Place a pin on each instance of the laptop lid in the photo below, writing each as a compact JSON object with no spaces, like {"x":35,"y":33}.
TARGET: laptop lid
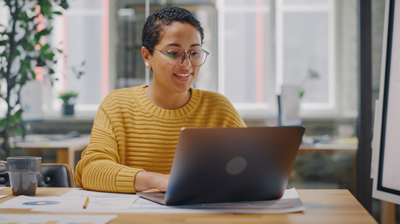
{"x":213,"y":165}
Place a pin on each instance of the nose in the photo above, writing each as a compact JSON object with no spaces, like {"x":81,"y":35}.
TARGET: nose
{"x":186,"y":62}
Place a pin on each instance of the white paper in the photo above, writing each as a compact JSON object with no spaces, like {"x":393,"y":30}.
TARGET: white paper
{"x":67,"y":203}
{"x":59,"y":219}
{"x":1,"y":188}
{"x":3,"y":196}
{"x":290,"y":202}
{"x":85,"y":193}
{"x":98,"y":201}
{"x":290,"y":193}
{"x":94,"y":205}
{"x":25,"y":202}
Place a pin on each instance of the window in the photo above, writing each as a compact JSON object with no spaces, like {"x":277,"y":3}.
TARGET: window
{"x":305,"y":44}
{"x":255,"y":46}
{"x":266,"y":44}
{"x":128,"y":22}
{"x":245,"y":74}
{"x":83,"y":33}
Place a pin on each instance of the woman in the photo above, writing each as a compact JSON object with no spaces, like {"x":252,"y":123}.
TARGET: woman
{"x":135,"y":131}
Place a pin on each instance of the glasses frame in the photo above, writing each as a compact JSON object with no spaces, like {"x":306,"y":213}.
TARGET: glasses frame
{"x":184,"y":56}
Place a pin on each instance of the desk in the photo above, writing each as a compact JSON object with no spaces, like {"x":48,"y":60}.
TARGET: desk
{"x":65,"y":148}
{"x":322,"y":206}
{"x":388,"y":212}
{"x":329,"y":148}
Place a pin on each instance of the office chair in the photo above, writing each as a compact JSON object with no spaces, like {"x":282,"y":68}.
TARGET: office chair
{"x":52,"y":175}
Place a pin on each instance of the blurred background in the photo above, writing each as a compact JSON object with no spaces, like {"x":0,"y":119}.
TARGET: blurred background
{"x":256,"y":48}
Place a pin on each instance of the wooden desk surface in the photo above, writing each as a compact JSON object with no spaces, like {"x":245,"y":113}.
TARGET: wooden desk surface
{"x":65,"y":148}
{"x":329,"y":148}
{"x":46,"y":141}
{"x":322,"y":206}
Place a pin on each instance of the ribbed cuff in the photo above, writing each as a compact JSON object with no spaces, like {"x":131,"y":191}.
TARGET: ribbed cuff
{"x":125,"y":181}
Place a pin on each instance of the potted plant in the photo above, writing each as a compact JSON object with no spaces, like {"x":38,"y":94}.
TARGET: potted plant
{"x":23,"y":47}
{"x":68,"y":106}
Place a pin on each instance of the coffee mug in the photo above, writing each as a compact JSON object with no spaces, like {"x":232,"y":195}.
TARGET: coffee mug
{"x":23,"y":174}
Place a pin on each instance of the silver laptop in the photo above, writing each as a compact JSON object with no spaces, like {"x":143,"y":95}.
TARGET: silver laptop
{"x":214,"y":165}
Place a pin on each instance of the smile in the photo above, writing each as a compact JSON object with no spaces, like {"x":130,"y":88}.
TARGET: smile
{"x":182,"y":75}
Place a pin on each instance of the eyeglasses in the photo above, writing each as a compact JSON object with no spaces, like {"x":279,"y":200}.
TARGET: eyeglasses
{"x":176,"y":57}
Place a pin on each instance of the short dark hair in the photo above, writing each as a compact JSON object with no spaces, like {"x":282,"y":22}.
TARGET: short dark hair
{"x":163,"y":17}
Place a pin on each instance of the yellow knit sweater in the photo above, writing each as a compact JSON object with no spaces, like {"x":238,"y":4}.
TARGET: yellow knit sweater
{"x":131,"y":134}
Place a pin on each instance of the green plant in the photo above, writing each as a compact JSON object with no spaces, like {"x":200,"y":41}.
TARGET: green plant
{"x":311,"y":75}
{"x":67,"y":96}
{"x":22,"y":48}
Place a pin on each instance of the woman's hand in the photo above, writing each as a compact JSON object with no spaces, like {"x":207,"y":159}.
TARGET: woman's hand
{"x":161,"y":182}
{"x":149,"y":180}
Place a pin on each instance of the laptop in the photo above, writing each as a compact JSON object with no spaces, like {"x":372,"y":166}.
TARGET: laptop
{"x":215,"y":165}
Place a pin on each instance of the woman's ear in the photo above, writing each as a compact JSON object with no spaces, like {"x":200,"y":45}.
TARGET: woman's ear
{"x":146,"y":57}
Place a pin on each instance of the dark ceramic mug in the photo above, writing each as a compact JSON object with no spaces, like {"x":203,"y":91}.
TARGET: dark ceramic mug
{"x":23,"y":173}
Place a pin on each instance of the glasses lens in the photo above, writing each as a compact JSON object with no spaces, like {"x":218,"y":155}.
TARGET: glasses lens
{"x":174,"y":57}
{"x":197,"y":58}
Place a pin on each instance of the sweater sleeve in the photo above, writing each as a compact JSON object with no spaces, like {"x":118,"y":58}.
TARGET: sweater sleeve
{"x":236,"y":121}
{"x":100,"y":167}
{"x":225,"y":108}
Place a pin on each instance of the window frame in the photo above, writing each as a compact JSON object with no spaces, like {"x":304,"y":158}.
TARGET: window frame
{"x":307,"y":108}
{"x":246,"y":110}
{"x":277,"y":10}
{"x":52,"y":105}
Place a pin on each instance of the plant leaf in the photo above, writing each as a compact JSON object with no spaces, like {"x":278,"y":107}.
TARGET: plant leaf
{"x":19,"y":131}
{"x":64,"y":4}
{"x":18,"y":115}
{"x":45,"y":48}
{"x":33,"y":75}
{"x":3,"y":123}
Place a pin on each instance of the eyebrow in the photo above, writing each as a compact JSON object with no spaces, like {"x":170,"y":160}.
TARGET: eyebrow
{"x":178,"y":45}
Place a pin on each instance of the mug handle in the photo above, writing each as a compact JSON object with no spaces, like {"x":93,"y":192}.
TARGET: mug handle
{"x":5,"y":163}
